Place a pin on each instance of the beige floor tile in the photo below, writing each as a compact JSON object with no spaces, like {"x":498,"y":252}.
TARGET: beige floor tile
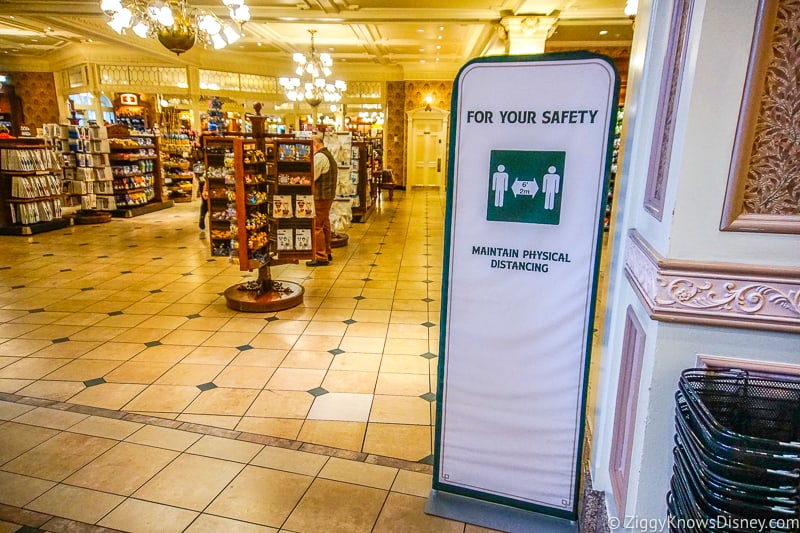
{"x":409,"y":442}
{"x":163,"y":398}
{"x":244,"y":377}
{"x":245,"y":325}
{"x":319,"y":343}
{"x":83,"y":370}
{"x":110,"y":428}
{"x":229,"y":338}
{"x":261,"y":495}
{"x":214,"y":421}
{"x":211,"y":355}
{"x":190,"y":481}
{"x":19,"y":438}
{"x":294,"y":461}
{"x":50,"y":331}
{"x":139,"y":516}
{"x":18,"y":491}
{"x":400,"y":410}
{"x":336,"y":507}
{"x":341,"y":406}
{"x":367,"y":329}
{"x":362,"y":344}
{"x":222,"y":401}
{"x":150,"y":308}
{"x":403,"y":513}
{"x":77,"y":503}
{"x":161,"y":437}
{"x":142,"y":335}
{"x":413,"y":483}
{"x":22,"y":347}
{"x":67,"y":350}
{"x":108,"y":395}
{"x":350,"y":381}
{"x":378,"y":316}
{"x":115,"y":351}
{"x":189,"y":374}
{"x":344,"y":435}
{"x":296,"y":379}
{"x":260,"y":357}
{"x":228,"y":449}
{"x":276,"y":341}
{"x":122,"y":469}
{"x":307,"y":359}
{"x":358,"y":473}
{"x":281,"y":404}
{"x":334,"y":314}
{"x":284,"y":428}
{"x":402,"y":384}
{"x":206,"y":523}
{"x":409,"y":331}
{"x":7,"y":360}
{"x":163,"y":353}
{"x":357,"y":362}
{"x":285,"y":327}
{"x":187,"y":337}
{"x":50,"y":418}
{"x":11,"y":410}
{"x":137,"y":372}
{"x":396,"y":346}
{"x":59,"y":456}
{"x":52,"y":390}
{"x":98,"y":333}
{"x":405,"y":364}
{"x":32,"y":368}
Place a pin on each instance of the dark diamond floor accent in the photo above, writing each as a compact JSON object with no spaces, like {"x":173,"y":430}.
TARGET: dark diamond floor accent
{"x":271,"y":318}
{"x":18,"y":287}
{"x":428,"y":397}
{"x":427,"y":280}
{"x":5,"y":268}
{"x":206,"y":386}
{"x":133,"y":246}
{"x":181,"y":247}
{"x":155,"y":291}
{"x":60,"y":340}
{"x":85,"y":289}
{"x":359,"y":297}
{"x":428,"y":324}
{"x":426,"y":460}
{"x":192,"y":316}
{"x":366,"y":279}
{"x":65,"y":270}
{"x":373,"y":264}
{"x":319,"y":391}
{"x":48,"y":255}
{"x":244,"y":347}
{"x":155,"y":258}
{"x":427,"y":300}
{"x":37,"y":310}
{"x":350,"y":321}
{"x":336,"y":351}
{"x":152,"y":343}
{"x":186,"y":274}
{"x":427,"y":355}
{"x":114,"y":313}
{"x":93,"y":382}
{"x":126,"y":272}
{"x":102,"y":256}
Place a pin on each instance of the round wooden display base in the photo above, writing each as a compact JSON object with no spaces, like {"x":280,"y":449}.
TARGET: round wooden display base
{"x":100,"y":217}
{"x":339,"y":239}
{"x":273,"y":300}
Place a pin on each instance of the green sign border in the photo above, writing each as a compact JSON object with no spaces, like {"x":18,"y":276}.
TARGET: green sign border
{"x":480,"y":495}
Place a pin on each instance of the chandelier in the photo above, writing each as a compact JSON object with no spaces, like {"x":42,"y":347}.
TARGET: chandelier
{"x":312,"y":85}
{"x":176,"y":25}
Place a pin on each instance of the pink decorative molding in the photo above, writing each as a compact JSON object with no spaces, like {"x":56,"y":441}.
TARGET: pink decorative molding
{"x":714,"y":294}
{"x":664,"y":129}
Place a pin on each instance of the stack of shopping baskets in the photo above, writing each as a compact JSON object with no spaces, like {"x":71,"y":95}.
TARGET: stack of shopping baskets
{"x":737,"y":453}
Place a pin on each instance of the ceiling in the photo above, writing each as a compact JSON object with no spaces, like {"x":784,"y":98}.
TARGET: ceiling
{"x":401,"y":38}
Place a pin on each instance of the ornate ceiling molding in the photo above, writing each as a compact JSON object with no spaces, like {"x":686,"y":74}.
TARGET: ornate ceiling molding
{"x":713,"y":294}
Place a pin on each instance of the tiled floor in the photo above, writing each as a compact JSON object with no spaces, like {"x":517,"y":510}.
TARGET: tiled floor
{"x":132,"y":398}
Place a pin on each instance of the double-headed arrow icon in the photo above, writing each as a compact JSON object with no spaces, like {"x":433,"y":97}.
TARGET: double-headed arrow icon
{"x":524,"y":188}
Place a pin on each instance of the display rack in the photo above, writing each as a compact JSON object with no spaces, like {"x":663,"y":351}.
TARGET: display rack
{"x":88,"y":180}
{"x":361,"y":172}
{"x":136,"y":168}
{"x":293,"y":201}
{"x":242,"y":182}
{"x":31,"y":188}
{"x":176,"y":162}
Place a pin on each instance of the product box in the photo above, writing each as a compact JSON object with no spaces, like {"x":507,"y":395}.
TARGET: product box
{"x":88,"y":201}
{"x":284,"y":236}
{"x":282,"y":206}
{"x":304,"y":206}
{"x":106,"y":202}
{"x":103,"y":187}
{"x":302,"y":239}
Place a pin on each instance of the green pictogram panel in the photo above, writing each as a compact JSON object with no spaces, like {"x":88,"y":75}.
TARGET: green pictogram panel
{"x":525,"y":186}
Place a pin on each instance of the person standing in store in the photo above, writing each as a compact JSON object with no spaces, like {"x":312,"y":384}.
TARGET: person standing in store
{"x":326,"y":175}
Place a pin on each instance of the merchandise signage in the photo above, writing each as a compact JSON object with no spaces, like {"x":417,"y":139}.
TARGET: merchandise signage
{"x":530,"y":153}
{"x":128,"y":99}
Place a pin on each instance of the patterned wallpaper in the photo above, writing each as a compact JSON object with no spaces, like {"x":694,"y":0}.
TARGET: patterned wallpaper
{"x":37,"y":91}
{"x":394,"y":130}
{"x":773,"y":180}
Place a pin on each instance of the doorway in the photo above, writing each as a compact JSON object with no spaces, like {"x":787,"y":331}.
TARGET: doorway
{"x":427,"y":148}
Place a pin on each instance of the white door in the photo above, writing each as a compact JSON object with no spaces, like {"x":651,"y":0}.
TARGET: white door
{"x":427,"y":149}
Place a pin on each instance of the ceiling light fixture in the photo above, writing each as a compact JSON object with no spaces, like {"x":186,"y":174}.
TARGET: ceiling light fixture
{"x":312,"y":85}
{"x":175,"y":24}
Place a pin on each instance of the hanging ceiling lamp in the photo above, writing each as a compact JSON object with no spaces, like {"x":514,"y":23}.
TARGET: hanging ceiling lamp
{"x":176,"y":25}
{"x":312,"y":84}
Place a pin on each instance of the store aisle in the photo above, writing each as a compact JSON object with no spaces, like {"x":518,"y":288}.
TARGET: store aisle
{"x":124,"y":324}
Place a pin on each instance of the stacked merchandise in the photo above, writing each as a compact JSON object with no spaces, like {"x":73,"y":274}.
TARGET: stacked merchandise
{"x":133,"y":166}
{"x":737,"y":455}
{"x":179,"y":178}
{"x":87,"y":175}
